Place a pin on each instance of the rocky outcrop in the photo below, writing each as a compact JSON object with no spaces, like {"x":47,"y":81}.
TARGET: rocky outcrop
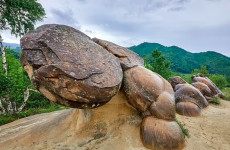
{"x":190,"y":99}
{"x":152,"y":96}
{"x":69,"y":68}
{"x":214,"y":90}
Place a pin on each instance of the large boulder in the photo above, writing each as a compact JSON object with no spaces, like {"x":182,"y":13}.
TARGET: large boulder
{"x":189,"y":100}
{"x":69,"y":68}
{"x":147,"y":90}
{"x":186,"y":92}
{"x":158,"y":134}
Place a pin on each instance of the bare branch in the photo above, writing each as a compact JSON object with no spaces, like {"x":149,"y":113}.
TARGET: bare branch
{"x":3,"y":111}
{"x":26,"y":97}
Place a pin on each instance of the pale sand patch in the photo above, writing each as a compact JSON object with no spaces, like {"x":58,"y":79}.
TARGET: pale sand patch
{"x":210,"y":131}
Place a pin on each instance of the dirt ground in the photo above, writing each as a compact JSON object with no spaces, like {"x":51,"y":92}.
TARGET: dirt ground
{"x":61,"y":130}
{"x":210,"y":131}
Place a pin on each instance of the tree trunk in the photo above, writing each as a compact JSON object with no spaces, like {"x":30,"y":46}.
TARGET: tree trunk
{"x":10,"y":108}
{"x":3,"y":58}
{"x":2,"y":109}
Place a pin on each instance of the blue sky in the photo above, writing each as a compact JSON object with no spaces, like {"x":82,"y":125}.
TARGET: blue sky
{"x":195,"y":25}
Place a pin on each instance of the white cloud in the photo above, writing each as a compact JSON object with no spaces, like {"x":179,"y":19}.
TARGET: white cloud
{"x":193,"y":25}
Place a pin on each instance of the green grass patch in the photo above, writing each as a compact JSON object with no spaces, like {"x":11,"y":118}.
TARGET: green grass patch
{"x":4,"y":119}
{"x":215,"y":101}
{"x":185,"y":131}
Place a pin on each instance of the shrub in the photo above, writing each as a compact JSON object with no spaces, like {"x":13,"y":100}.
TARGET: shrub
{"x":219,"y":80}
{"x":4,"y":119}
{"x":203,"y":70}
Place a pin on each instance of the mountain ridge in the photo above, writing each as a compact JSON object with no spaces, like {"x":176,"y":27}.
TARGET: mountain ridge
{"x":184,"y":61}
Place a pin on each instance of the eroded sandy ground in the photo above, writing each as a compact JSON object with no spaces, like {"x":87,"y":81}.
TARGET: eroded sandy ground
{"x":58,"y":130}
{"x":210,"y":131}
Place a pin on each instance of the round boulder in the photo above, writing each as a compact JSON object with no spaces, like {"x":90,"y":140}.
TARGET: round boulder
{"x":69,"y":68}
{"x":158,"y":134}
{"x":188,"y":93}
{"x":145,"y":88}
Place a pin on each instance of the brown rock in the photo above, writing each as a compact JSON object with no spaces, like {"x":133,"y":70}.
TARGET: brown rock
{"x":176,"y":80}
{"x":158,"y":134}
{"x":188,"y":109}
{"x":163,"y":108}
{"x":143,"y":87}
{"x":127,"y":57}
{"x":69,"y":68}
{"x":215,"y":91}
{"x":204,"y":89}
{"x":188,"y":93}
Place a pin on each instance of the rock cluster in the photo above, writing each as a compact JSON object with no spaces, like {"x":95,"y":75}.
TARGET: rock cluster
{"x":152,"y":96}
{"x":191,"y":98}
{"x":73,"y":70}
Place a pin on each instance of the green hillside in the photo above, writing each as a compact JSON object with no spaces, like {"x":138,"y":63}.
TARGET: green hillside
{"x":184,"y":61}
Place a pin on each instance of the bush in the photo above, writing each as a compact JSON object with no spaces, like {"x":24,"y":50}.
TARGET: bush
{"x":220,"y":80}
{"x":4,"y":119}
{"x":203,"y":70}
{"x":226,"y":92}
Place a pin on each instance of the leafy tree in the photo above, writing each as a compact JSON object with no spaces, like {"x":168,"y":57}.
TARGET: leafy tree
{"x":159,"y":64}
{"x":18,"y":16}
{"x":203,"y":70}
{"x":18,"y":86}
